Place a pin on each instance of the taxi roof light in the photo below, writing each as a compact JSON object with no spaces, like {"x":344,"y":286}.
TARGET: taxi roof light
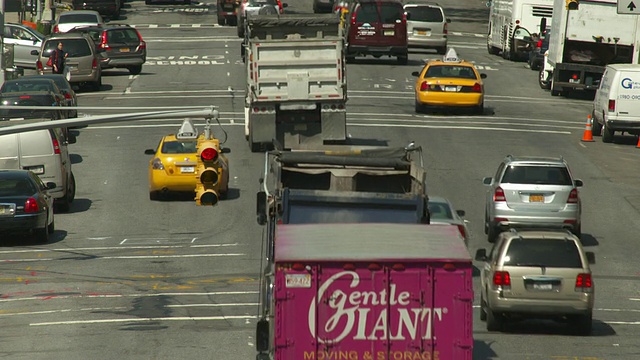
{"x":187,"y":131}
{"x":451,"y":56}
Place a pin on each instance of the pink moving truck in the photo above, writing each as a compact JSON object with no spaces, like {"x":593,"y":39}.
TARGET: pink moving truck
{"x":367,"y":292}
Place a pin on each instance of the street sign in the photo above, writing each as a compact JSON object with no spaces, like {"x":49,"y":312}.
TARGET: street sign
{"x":628,"y":7}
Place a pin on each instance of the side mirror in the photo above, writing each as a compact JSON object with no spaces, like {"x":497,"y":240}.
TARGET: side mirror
{"x":448,"y":21}
{"x":461,"y":213}
{"x":481,"y":255}
{"x":578,"y":183}
{"x":591,"y":257}
{"x":35,"y":52}
{"x":262,"y":336}
{"x":150,"y":152}
{"x":543,"y":25}
{"x":50,"y":185}
{"x":487,"y":181}
{"x":483,"y":76}
{"x":415,"y":73}
{"x":261,"y":207}
{"x":284,"y":5}
{"x":225,"y":150}
{"x":71,"y":139}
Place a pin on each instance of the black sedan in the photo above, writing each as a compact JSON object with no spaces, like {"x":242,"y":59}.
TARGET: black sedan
{"x":70,"y":98}
{"x":32,"y":92}
{"x":25,"y":205}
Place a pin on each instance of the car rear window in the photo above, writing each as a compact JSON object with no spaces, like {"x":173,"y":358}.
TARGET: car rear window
{"x":122,"y":36}
{"x":16,"y":187}
{"x":543,"y":252}
{"x":439,"y":211}
{"x":540,"y":175}
{"x":73,"y":47}
{"x":25,"y":86}
{"x":77,"y":18}
{"x":367,"y":13}
{"x":179,"y":147}
{"x":36,"y":143}
{"x":424,"y":13}
{"x":460,"y":72}
{"x":390,"y":12}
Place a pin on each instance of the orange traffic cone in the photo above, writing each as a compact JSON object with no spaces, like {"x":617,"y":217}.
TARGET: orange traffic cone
{"x":638,"y":144}
{"x":588,"y":134}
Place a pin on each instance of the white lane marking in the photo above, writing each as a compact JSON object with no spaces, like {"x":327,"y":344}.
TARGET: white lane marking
{"x":62,"y":311}
{"x":463,"y":128}
{"x":621,"y":322}
{"x":211,"y":305}
{"x":124,"y":257}
{"x":116,"y":296}
{"x":115,"y":248}
{"x":123,"y":241}
{"x":193,"y":240}
{"x":153,"y":26}
{"x":195,"y":25}
{"x":174,"y":25}
{"x":107,"y":321}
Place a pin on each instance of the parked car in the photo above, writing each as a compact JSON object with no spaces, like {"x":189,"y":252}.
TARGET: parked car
{"x":24,"y":39}
{"x":82,"y":65}
{"x":377,"y":28}
{"x":529,"y":192}
{"x":30,"y":91}
{"x":442,"y":212}
{"x":70,"y":98}
{"x":427,"y":27}
{"x":76,"y":18}
{"x":255,"y":7}
{"x":537,"y":274}
{"x":46,"y":153}
{"x":107,"y":8}
{"x":25,"y":205}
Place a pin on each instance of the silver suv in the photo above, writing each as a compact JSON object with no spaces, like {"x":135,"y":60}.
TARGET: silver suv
{"x":537,"y":274}
{"x":427,"y":27}
{"x":532,"y":192}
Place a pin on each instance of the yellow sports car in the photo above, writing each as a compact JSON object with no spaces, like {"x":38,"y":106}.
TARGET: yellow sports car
{"x":173,"y":167}
{"x":450,"y":82}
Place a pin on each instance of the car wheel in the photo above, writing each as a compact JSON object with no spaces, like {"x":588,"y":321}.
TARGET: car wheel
{"x":419,"y":107}
{"x":51,"y":228}
{"x":42,"y":235}
{"x":596,"y":127}
{"x":147,"y":2}
{"x":232,"y":21}
{"x":96,"y":85}
{"x":607,"y":134}
{"x":542,"y":80}
{"x":577,"y":231}
{"x":483,"y":308}
{"x":187,"y":2}
{"x":480,"y":109}
{"x":240,"y":28}
{"x":495,"y":322}
{"x":492,"y":50}
{"x":403,"y":59}
{"x":64,"y":203}
{"x":350,"y":59}
{"x":135,"y":70}
{"x":221,"y":21}
{"x":582,"y":324}
{"x":492,"y":233}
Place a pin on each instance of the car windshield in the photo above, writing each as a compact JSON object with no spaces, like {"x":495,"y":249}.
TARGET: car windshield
{"x":440,"y":211}
{"x":448,"y":71}
{"x":16,"y":187}
{"x":540,"y":175}
{"x":543,"y":252}
{"x":179,"y":147}
{"x":424,"y":13}
{"x":73,"y":47}
{"x":77,"y":18}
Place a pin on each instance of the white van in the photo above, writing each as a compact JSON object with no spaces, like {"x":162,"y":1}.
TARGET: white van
{"x":616,"y":106}
{"x":45,"y":153}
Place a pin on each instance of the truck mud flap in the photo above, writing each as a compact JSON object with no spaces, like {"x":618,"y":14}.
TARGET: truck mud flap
{"x":334,"y":126}
{"x":262,"y":127}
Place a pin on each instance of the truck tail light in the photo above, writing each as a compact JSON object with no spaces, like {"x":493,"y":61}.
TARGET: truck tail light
{"x":502,"y":278}
{"x":462,"y":230}
{"x":298,"y":267}
{"x":584,"y":283}
{"x":349,"y":266}
{"x":31,"y":206}
{"x":449,"y":266}
{"x":424,"y":86}
{"x":612,"y":105}
{"x":374,"y":267}
{"x":573,"y":197}
{"x":498,"y":195}
{"x":398,"y":267}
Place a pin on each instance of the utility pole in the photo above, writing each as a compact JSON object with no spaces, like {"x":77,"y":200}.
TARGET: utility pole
{"x":2,"y":67}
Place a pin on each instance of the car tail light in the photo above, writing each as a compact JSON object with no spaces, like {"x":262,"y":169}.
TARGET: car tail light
{"x":445,"y":30}
{"x":67,"y":95}
{"x":404,"y":17}
{"x":574,"y":76}
{"x":39,"y":65}
{"x":353,"y":19}
{"x":103,"y":42}
{"x":156,"y":164}
{"x":31,"y":206}
{"x":502,"y":278}
{"x":476,"y":88}
{"x":56,"y":29}
{"x":612,"y":105}
{"x":573,"y":197}
{"x":498,"y":195}
{"x":539,"y":44}
{"x":424,"y":86}
{"x":584,"y":283}
{"x":462,"y":231}
{"x":56,"y":146}
{"x":25,"y":96}
{"x":94,"y":64}
{"x":143,"y":45}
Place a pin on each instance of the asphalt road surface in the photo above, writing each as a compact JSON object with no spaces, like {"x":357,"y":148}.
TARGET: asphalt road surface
{"x":129,"y":278}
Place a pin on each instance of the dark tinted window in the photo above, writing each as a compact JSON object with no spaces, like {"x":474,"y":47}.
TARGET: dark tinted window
{"x":26,"y":86}
{"x":179,"y":147}
{"x":74,"y":47}
{"x":122,"y":36}
{"x":367,"y":13}
{"x":541,"y":175}
{"x":307,"y":213}
{"x":389,"y":13}
{"x":460,"y":72}
{"x":543,"y":252}
{"x":440,"y":211}
{"x":78,"y":18}
{"x":16,"y":187}
{"x":424,"y":13}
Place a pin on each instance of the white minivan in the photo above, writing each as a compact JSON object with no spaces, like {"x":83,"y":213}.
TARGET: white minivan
{"x":616,"y":106}
{"x":45,"y":153}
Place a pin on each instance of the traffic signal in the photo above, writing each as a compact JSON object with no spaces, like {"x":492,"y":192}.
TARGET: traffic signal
{"x":208,"y":172}
{"x":572,"y":4}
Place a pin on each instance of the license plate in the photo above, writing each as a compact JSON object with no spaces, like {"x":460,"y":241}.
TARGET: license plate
{"x":536,"y":198}
{"x":7,"y":210}
{"x":451,"y":88}
{"x":187,"y":169}
{"x":298,"y":281}
{"x":543,"y":287}
{"x":124,"y":49}
{"x":389,"y":32}
{"x":574,"y":81}
{"x":39,"y":170}
{"x":425,"y":33}
{"x":300,"y":127}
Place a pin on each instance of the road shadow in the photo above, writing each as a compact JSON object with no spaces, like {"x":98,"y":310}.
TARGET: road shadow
{"x":365,"y":142}
{"x":482,"y":350}
{"x":79,"y":205}
{"x":232,"y":194}
{"x":379,"y":61}
{"x":27,"y":239}
{"x":588,"y":240}
{"x":475,"y":272}
{"x":624,"y":139}
{"x":550,"y":327}
{"x":75,"y":158}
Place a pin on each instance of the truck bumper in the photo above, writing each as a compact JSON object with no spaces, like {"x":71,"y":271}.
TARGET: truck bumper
{"x":576,"y":77}
{"x":355,"y":50}
{"x":622,"y":125}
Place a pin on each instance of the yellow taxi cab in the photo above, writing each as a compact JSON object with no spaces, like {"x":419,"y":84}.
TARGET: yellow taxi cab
{"x":173,"y":167}
{"x":450,"y":82}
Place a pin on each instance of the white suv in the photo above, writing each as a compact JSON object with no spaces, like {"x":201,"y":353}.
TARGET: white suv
{"x":427,"y":27}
